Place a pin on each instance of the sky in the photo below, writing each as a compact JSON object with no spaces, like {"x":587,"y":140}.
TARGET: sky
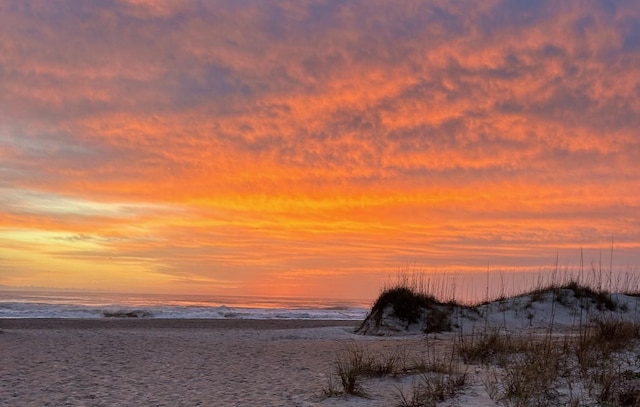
{"x":314,"y":148}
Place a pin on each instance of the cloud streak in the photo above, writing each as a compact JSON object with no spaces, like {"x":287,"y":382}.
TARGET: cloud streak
{"x":263,"y":140}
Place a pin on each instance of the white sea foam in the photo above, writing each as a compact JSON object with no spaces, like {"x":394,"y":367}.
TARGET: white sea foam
{"x":45,"y":304}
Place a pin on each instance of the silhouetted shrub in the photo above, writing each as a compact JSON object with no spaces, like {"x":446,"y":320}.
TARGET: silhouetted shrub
{"x":407,"y":304}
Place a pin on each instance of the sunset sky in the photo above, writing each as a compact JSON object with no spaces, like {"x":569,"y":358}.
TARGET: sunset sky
{"x":313,"y":148}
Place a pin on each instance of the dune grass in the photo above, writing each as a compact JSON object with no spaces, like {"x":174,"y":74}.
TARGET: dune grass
{"x":594,"y":368}
{"x":594,"y":363}
{"x":599,"y":366}
{"x":355,"y":363}
{"x":435,"y":377}
{"x":411,"y":307}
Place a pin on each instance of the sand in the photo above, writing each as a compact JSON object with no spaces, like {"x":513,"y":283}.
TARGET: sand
{"x":49,"y":362}
{"x":165,"y":362}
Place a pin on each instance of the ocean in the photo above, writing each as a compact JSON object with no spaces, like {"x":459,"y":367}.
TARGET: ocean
{"x":78,"y":304}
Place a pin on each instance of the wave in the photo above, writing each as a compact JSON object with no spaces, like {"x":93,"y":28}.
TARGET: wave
{"x":80,"y":305}
{"x":128,"y":314}
{"x":48,"y":310}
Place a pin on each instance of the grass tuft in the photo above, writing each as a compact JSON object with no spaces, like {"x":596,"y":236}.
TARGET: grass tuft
{"x":410,"y":307}
{"x":432,"y":388}
{"x":488,"y":347}
{"x":407,"y":304}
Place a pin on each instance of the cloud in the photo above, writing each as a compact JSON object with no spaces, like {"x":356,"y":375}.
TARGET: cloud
{"x":513,"y":124}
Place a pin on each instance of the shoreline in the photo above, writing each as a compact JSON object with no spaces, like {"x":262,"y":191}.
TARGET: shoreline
{"x":168,"y":323}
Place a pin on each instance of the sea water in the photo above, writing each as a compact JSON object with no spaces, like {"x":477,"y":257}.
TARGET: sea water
{"x":30,"y":303}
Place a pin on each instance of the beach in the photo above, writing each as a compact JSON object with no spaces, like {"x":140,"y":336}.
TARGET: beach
{"x":560,"y":346}
{"x":155,"y":362}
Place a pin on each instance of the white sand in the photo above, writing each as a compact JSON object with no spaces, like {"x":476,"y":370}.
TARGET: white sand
{"x":180,"y":363}
{"x":156,"y":362}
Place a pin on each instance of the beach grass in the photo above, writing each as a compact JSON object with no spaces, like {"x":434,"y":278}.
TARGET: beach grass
{"x":595,"y":361}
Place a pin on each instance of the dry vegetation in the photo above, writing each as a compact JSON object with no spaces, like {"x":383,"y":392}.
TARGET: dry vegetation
{"x":594,"y":363}
{"x":596,"y":366}
{"x":436,"y":377}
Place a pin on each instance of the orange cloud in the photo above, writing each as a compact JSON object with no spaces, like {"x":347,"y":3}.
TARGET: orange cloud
{"x":236,"y":147}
